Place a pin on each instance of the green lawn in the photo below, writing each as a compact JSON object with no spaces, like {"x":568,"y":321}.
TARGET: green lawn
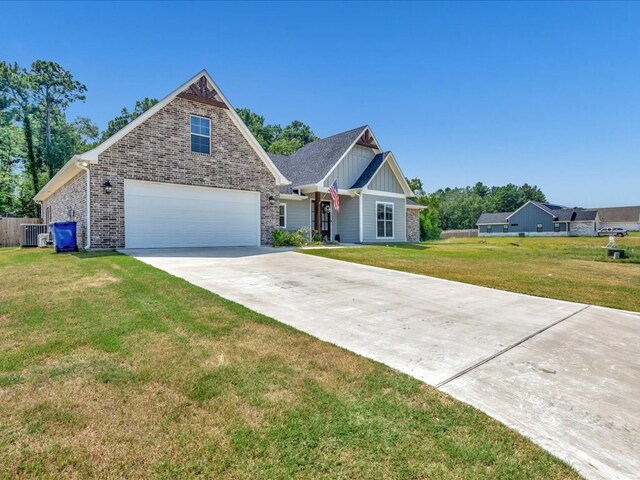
{"x":110,"y":368}
{"x":567,"y":268}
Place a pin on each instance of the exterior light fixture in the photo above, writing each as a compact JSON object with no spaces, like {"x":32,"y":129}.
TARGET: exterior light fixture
{"x":107,"y":186}
{"x":84,"y":163}
{"x":272,"y":201}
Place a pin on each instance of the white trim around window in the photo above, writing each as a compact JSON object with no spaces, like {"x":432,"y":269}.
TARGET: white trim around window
{"x":199,"y":134}
{"x":282,"y":215}
{"x":386,"y":221}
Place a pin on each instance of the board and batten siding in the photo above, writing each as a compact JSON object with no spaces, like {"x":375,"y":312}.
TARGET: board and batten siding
{"x":369,"y":218}
{"x":385,"y":180}
{"x":498,"y":228}
{"x":351,"y":167}
{"x":527,"y":219}
{"x":348,"y":226}
{"x":298,"y":214}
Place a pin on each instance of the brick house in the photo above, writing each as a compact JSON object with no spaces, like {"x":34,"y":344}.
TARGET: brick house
{"x":189,"y":173}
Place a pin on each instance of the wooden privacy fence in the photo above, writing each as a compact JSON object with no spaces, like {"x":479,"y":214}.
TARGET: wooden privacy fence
{"x":10,"y":230}
{"x":473,"y":232}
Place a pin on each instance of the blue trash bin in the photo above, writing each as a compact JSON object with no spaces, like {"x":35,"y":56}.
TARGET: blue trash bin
{"x":64,"y":236}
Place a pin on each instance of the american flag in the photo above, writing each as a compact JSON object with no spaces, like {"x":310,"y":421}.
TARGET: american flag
{"x":333,"y":190}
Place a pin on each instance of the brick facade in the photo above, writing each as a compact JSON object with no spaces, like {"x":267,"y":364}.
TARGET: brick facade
{"x":159,"y":150}
{"x":413,"y":225}
{"x":69,"y":203}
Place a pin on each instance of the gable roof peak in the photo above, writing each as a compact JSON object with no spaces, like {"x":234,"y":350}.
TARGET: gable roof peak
{"x":204,"y":87}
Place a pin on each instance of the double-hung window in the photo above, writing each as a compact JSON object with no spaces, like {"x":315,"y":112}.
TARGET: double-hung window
{"x":489,"y":228}
{"x":384,"y":220}
{"x":505,"y":229}
{"x":200,"y":135}
{"x":539,"y":227}
{"x":283,"y":215}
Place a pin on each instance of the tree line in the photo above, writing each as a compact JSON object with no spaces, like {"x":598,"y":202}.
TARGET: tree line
{"x":459,"y":207}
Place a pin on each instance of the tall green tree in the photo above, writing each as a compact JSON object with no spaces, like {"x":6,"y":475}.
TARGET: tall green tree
{"x":11,"y":151}
{"x":35,"y":101}
{"x":32,"y":161}
{"x":127,"y":117}
{"x":54,"y":89}
{"x":274,"y":138}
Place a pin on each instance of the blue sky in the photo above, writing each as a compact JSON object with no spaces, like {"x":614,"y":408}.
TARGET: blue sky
{"x":545,"y":93}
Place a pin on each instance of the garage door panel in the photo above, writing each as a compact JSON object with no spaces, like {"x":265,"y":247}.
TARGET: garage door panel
{"x":169,"y":215}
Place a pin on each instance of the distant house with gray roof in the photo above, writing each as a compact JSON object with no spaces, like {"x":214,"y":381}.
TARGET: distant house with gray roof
{"x":546,"y":219}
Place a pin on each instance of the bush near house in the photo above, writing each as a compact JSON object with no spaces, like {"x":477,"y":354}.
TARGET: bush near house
{"x":286,"y":238}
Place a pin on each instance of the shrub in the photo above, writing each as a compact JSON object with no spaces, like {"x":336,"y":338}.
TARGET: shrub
{"x":283,"y":238}
{"x":279,"y":237}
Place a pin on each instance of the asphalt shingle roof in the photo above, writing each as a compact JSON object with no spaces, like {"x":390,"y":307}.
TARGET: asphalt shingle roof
{"x":619,"y":214}
{"x":312,"y":163}
{"x":559,"y":214}
{"x":581,"y":215}
{"x":370,"y":171}
{"x":493,"y":218}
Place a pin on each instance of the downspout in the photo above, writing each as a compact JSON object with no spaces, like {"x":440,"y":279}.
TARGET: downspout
{"x":360,"y":227}
{"x":87,"y":227}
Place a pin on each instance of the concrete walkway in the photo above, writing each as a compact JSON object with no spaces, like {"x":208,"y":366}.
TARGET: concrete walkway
{"x":566,"y":375}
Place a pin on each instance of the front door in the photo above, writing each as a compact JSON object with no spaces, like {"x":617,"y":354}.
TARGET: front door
{"x":325,"y":219}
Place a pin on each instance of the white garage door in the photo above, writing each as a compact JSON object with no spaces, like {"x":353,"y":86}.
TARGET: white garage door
{"x":160,"y":215}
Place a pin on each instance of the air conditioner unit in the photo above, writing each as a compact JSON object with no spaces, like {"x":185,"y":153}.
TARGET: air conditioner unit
{"x":29,"y":233}
{"x":44,"y":240}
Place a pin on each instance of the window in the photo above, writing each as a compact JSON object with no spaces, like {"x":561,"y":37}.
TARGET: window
{"x":47,"y":215}
{"x":384,"y":217}
{"x":505,"y":228}
{"x":283,"y":215}
{"x":200,"y":135}
{"x":514,"y":224}
{"x":539,"y":227}
{"x":556,"y":227}
{"x":489,"y":228}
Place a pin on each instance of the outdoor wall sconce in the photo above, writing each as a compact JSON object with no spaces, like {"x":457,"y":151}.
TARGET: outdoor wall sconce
{"x":107,"y":186}
{"x":272,"y":201}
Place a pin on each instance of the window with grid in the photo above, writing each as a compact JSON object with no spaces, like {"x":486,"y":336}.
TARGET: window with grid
{"x":505,"y":229}
{"x":200,"y":135}
{"x":539,"y":227}
{"x":384,"y":217}
{"x":283,"y":216}
{"x":489,"y":229}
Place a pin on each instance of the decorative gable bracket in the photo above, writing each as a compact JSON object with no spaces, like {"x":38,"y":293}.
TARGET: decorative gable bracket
{"x":201,"y":92}
{"x":367,"y":140}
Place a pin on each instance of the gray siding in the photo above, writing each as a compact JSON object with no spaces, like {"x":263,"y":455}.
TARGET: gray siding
{"x":498,"y":228}
{"x":351,"y":167}
{"x":369,"y":218}
{"x":347,"y":222}
{"x":298,"y":213}
{"x":527,"y":219}
{"x":385,"y":180}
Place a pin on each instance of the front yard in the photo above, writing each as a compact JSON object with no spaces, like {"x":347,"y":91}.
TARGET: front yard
{"x":110,"y":368}
{"x":566,"y":268}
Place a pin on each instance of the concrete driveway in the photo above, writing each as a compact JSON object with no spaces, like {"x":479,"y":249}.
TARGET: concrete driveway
{"x":566,"y":375}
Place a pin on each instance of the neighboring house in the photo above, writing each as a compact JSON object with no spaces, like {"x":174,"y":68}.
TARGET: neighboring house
{"x":189,"y":173}
{"x":539,"y":219}
{"x":621,"y":217}
{"x":545,"y":219}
